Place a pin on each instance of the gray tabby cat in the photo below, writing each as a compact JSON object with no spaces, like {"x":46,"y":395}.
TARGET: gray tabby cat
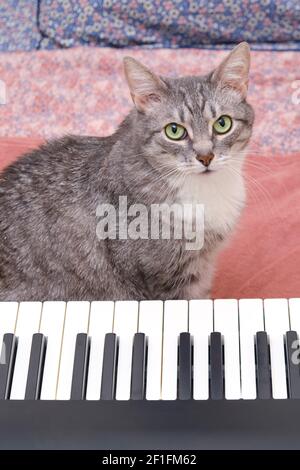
{"x":183,"y":142}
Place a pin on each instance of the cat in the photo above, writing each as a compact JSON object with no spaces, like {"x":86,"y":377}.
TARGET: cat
{"x":183,"y":142}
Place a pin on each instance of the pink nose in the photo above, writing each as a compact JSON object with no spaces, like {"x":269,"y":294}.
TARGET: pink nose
{"x":205,"y":159}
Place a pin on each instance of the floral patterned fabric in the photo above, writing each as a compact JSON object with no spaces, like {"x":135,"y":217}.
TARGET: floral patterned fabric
{"x":18,"y":25}
{"x":50,"y":24}
{"x":171,"y":23}
{"x":83,"y":91}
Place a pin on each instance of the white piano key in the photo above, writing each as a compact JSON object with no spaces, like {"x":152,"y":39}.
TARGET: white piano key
{"x":251,"y":315}
{"x":200,"y":327}
{"x":125,"y":326}
{"x":226,"y":321}
{"x":101,"y":322}
{"x":175,"y":322}
{"x":151,"y":323}
{"x":276,"y":315}
{"x":8,"y":317}
{"x":52,"y":324}
{"x":76,"y":321}
{"x":28,"y":322}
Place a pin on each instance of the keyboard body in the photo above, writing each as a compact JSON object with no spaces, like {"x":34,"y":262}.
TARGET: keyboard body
{"x":177,"y":375}
{"x":170,"y":425}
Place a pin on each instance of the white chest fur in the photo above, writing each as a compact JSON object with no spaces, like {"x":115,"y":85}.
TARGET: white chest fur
{"x":222,"y":195}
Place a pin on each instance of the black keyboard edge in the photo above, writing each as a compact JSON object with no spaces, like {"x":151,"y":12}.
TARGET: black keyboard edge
{"x":210,"y":424}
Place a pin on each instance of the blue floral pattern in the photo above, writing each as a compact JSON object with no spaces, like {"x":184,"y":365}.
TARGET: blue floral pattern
{"x":172,"y":23}
{"x":48,"y":24}
{"x":18,"y":25}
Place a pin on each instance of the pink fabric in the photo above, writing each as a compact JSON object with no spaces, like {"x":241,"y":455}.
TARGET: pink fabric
{"x":83,"y":91}
{"x":262,"y":259}
{"x":11,"y":148}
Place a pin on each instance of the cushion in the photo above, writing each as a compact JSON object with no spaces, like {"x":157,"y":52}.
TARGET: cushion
{"x":83,"y":91}
{"x":18,"y":25}
{"x":160,"y":23}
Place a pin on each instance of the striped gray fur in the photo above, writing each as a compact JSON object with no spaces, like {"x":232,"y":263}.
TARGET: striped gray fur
{"x":48,"y":199}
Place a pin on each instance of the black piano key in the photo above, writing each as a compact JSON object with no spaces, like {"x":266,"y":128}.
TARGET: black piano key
{"x":109,"y":369}
{"x":81,"y":357}
{"x":7,"y":362}
{"x":292,"y":362}
{"x":36,"y":365}
{"x":138,"y":369}
{"x":185,"y":367}
{"x":263,"y":366}
{"x":216,"y":366}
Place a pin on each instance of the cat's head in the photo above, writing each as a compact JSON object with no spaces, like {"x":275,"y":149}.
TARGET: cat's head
{"x":196,"y":124}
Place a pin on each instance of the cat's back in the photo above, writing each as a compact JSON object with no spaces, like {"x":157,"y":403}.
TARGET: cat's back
{"x":52,"y":171}
{"x":59,"y":157}
{"x":52,"y":179}
{"x":44,"y":198}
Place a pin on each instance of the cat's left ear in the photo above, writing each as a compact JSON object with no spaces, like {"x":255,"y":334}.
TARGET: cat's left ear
{"x":234,"y":70}
{"x":146,"y":88}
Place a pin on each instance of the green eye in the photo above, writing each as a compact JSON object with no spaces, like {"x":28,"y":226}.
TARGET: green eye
{"x":223,"y":124}
{"x":175,"y":131}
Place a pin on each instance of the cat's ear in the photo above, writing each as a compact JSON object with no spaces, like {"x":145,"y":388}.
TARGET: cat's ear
{"x":146,"y":88}
{"x":234,"y":70}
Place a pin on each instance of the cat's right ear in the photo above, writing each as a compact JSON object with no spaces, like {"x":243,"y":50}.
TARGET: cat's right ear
{"x":146,"y":88}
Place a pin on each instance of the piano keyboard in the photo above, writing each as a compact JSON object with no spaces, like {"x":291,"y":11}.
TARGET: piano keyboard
{"x":152,"y":350}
